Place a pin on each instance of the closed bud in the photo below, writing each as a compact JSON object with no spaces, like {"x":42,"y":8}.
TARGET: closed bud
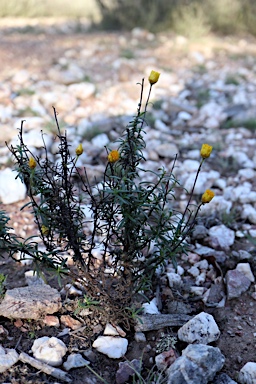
{"x":206,"y":150}
{"x":79,"y":150}
{"x":32,"y":163}
{"x":45,"y":230}
{"x":153,"y":77}
{"x":207,"y":196}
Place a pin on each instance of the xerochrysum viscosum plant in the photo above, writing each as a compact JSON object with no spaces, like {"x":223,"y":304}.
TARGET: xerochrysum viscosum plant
{"x":134,"y":224}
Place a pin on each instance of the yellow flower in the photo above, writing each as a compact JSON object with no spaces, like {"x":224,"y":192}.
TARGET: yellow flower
{"x":45,"y":230}
{"x":206,"y":150}
{"x":153,"y":77}
{"x":32,"y":163}
{"x":113,"y":156}
{"x":207,"y":196}
{"x":79,"y":150}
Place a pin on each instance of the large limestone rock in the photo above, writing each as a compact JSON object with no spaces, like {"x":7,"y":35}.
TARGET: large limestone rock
{"x":201,"y":329}
{"x":31,"y":302}
{"x":198,"y":364}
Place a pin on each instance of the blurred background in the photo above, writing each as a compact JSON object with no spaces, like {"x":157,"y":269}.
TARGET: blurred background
{"x":191,"y":18}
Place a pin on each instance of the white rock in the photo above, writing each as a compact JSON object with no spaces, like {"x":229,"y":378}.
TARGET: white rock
{"x":86,"y":210}
{"x":33,"y":279}
{"x":82,"y":90}
{"x":100,"y":140}
{"x":247,"y":374}
{"x":218,"y":204}
{"x":201,"y":278}
{"x":194,"y":271}
{"x":242,"y":159}
{"x":174,"y":279}
{"x":190,"y":166}
{"x":161,"y":126}
{"x":60,"y":99}
{"x":193,"y":154}
{"x":140,"y":337}
{"x":84,"y":126}
{"x":193,"y":258}
{"x":246,"y":270}
{"x":224,"y":236}
{"x":8,"y":357}
{"x":110,"y":330}
{"x":249,"y":213}
{"x":180,"y":270}
{"x":49,"y":350}
{"x":202,"y":264}
{"x":201,"y":329}
{"x":249,"y":198}
{"x":241,"y":191}
{"x":33,"y":138}
{"x":113,"y":347}
{"x":71,"y":290}
{"x":246,"y":173}
{"x":205,"y":181}
{"x":168,"y":150}
{"x":252,"y":232}
{"x":184,"y":116}
{"x":203,"y":250}
{"x":75,"y":360}
{"x":171,"y":269}
{"x":23,"y":259}
{"x":197,"y":290}
{"x":11,"y":189}
{"x":151,"y":307}
{"x":21,"y":77}
{"x":32,"y":123}
{"x":220,"y":183}
{"x":212,"y":114}
{"x":73,"y":74}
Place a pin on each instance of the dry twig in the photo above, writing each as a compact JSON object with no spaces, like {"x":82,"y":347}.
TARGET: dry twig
{"x":55,"y":372}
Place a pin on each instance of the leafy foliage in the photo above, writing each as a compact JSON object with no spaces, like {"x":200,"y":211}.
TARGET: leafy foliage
{"x":135,"y":226}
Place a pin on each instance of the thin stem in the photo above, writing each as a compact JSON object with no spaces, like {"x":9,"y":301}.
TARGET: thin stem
{"x":192,"y":191}
{"x":146,"y":105}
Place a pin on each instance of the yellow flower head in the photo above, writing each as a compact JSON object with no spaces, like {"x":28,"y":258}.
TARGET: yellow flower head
{"x":32,"y":163}
{"x":207,"y":196}
{"x":206,"y":151}
{"x":113,"y":156}
{"x":79,"y":150}
{"x":153,"y":77}
{"x":45,"y":230}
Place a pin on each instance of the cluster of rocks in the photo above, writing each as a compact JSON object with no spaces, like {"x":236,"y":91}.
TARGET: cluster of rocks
{"x":198,"y":363}
{"x":190,"y":106}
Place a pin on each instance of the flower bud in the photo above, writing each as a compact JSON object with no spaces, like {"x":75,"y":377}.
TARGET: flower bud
{"x":153,"y":77}
{"x":32,"y":163}
{"x":206,"y":150}
{"x":207,"y":196}
{"x":45,"y":230}
{"x":113,"y":156}
{"x":79,"y":150}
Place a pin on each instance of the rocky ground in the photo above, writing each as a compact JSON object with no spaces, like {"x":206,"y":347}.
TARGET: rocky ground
{"x":206,"y":94}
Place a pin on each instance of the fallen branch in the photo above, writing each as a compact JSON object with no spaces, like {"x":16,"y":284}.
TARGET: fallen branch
{"x":55,"y":372}
{"x":152,"y":322}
